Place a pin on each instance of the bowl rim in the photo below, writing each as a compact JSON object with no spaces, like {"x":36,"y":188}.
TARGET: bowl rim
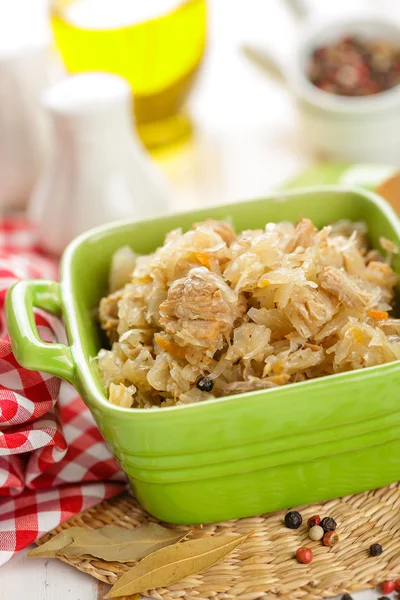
{"x":304,"y":89}
{"x":99,"y":401}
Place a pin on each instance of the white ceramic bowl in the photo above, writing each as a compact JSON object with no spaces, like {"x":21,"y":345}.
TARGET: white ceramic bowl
{"x":346,"y":128}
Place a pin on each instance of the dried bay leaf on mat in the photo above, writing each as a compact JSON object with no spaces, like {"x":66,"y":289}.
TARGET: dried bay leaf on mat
{"x":122,"y":545}
{"x":174,"y":563}
{"x":54,"y":544}
{"x":111,"y":543}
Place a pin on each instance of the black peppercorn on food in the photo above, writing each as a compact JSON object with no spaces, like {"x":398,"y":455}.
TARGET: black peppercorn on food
{"x":205,"y":384}
{"x":293,"y":519}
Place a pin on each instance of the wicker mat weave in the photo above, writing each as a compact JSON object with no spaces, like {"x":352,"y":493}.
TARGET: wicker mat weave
{"x":264,"y":566}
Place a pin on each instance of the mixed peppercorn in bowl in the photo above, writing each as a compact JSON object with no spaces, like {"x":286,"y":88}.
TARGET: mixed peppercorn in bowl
{"x":355,"y":66}
{"x":344,"y":74}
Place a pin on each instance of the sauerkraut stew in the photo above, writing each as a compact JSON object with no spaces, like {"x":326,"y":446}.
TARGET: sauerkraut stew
{"x":213,"y":313}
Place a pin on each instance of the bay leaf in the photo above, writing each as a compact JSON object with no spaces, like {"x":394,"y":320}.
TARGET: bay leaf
{"x":54,"y":544}
{"x":174,"y":563}
{"x":113,"y":543}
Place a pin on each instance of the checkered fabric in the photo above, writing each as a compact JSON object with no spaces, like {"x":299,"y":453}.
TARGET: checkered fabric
{"x":53,"y":461}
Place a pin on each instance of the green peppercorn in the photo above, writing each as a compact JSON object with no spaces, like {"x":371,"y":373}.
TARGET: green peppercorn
{"x":328,"y":524}
{"x":375,"y":550}
{"x":293,"y":519}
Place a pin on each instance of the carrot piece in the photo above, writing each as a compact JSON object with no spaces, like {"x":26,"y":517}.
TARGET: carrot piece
{"x":203,"y":259}
{"x":174,"y":349}
{"x":379,"y":315}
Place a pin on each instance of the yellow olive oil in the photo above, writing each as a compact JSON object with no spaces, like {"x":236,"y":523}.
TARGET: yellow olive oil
{"x":157,"y":45}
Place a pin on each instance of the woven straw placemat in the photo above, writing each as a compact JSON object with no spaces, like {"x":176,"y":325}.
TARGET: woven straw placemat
{"x":264,"y":565}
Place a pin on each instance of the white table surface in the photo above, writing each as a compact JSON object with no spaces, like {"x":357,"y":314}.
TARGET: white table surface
{"x":49,"y":579}
{"x":245,"y":144}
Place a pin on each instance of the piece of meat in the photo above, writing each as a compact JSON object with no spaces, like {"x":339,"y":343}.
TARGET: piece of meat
{"x":200,"y":310}
{"x":339,"y":284}
{"x":223,"y":229}
{"x":303,"y":236}
{"x":108,"y":314}
{"x":309,"y":310}
{"x":250,"y":385}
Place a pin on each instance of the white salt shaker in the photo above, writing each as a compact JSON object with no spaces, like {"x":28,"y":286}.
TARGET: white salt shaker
{"x":98,"y":170}
{"x":23,"y":77}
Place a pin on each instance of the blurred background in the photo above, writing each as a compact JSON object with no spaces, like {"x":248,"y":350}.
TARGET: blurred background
{"x":213,"y":121}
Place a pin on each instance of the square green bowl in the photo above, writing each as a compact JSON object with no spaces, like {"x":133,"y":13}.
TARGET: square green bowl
{"x":240,"y":455}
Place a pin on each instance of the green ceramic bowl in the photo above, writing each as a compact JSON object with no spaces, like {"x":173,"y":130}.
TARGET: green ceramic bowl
{"x":235,"y":456}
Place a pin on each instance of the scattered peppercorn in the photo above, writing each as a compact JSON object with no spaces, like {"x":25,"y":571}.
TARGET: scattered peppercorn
{"x":384,"y":598}
{"x":304,"y":555}
{"x":388,"y":586}
{"x":316,"y":533}
{"x":397,"y":585}
{"x":353,"y":66}
{"x":328,"y":524}
{"x":375,"y":550}
{"x":330,"y":538}
{"x":205,"y":384}
{"x":346,"y":597}
{"x":293,"y":519}
{"x":312,"y":521}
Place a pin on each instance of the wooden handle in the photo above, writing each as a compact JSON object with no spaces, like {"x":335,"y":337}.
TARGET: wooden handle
{"x":390,"y":191}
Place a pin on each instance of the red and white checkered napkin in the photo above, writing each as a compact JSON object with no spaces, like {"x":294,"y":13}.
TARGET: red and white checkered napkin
{"x":53,"y":460}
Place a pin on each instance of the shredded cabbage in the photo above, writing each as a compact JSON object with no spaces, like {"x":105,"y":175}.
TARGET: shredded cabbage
{"x":251,"y":311}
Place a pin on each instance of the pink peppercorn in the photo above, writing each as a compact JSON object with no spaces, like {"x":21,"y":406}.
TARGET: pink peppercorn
{"x":388,"y":586}
{"x":330,"y":538}
{"x":304,"y":555}
{"x":354,"y":66}
{"x":313,"y":521}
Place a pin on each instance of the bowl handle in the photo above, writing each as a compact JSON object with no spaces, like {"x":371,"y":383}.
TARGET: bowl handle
{"x":29,"y":350}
